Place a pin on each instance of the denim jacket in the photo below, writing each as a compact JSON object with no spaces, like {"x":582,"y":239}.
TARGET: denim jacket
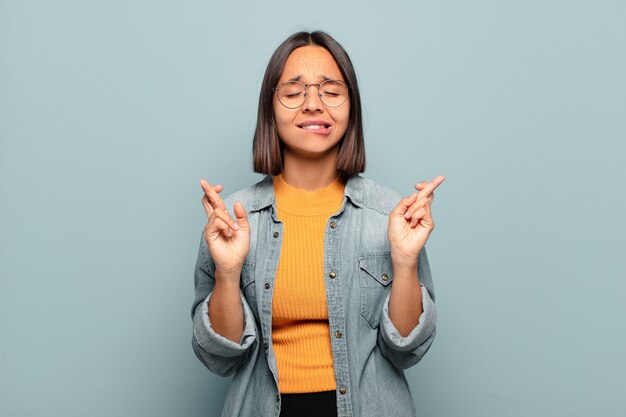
{"x":369,"y":354}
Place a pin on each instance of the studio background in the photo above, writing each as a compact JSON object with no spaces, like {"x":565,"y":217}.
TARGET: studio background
{"x":111,"y":112}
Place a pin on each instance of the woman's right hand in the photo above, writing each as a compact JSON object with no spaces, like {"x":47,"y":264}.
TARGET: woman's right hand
{"x":228,"y":241}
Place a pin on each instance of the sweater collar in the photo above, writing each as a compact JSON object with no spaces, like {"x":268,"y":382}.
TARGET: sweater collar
{"x":296,"y":201}
{"x":264,"y":192}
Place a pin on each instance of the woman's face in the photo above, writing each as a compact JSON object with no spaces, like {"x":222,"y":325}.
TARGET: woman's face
{"x":312,"y":130}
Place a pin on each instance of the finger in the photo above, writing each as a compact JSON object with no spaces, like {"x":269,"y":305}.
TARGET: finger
{"x":419,"y":203}
{"x":204,"y":183}
{"x":240,"y":214}
{"x":207,"y":207}
{"x":225,"y":217}
{"x":214,"y":199}
{"x":420,"y":185}
{"x":428,"y":217}
{"x":428,"y":214}
{"x":223,"y":227}
{"x":217,"y":204}
{"x":430,"y":187}
{"x":404,"y":204}
{"x":419,"y":213}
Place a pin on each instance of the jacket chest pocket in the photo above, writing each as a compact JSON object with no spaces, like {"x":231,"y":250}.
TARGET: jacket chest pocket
{"x":248,"y":287}
{"x":374,"y":279}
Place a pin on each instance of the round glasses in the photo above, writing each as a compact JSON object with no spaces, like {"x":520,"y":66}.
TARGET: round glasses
{"x":292,"y":94}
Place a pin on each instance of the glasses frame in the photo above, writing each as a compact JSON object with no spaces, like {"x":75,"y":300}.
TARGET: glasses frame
{"x":319,"y":92}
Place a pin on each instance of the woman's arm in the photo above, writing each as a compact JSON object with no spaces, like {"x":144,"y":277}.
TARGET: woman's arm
{"x":225,"y":310}
{"x":228,"y":243}
{"x":224,"y":327}
{"x":410,"y":225}
{"x":405,"y":300}
{"x":408,"y":317}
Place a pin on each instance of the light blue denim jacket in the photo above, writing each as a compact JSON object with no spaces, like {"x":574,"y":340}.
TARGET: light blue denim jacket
{"x":369,"y":354}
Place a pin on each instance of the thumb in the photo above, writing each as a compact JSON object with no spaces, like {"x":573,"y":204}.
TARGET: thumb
{"x":241,"y":215}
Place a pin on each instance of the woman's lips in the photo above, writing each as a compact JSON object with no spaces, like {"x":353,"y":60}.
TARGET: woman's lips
{"x":316,"y":127}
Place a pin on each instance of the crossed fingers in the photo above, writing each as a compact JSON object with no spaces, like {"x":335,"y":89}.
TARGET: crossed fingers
{"x":423,"y":199}
{"x":215,"y":209}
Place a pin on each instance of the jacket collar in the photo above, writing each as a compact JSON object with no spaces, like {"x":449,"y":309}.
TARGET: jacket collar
{"x":264,"y":192}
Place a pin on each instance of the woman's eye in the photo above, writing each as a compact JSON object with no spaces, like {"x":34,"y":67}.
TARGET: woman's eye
{"x":292,"y":95}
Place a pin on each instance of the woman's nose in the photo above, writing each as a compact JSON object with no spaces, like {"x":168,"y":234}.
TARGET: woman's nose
{"x":312,"y":100}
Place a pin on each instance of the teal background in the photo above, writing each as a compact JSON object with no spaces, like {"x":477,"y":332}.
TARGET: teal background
{"x":111,"y":112}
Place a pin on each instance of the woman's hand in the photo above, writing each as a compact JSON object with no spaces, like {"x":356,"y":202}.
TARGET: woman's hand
{"x":228,"y":241}
{"x":410,"y":224}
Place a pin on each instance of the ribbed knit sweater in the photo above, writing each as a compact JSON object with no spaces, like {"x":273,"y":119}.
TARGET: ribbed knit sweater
{"x":300,"y":331}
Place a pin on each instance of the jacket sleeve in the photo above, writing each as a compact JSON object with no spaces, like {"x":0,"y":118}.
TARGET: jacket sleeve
{"x":219,"y":354}
{"x":404,"y":352}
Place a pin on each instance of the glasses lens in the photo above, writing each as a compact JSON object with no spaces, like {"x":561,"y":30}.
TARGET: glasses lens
{"x":291,"y":94}
{"x":333,"y":93}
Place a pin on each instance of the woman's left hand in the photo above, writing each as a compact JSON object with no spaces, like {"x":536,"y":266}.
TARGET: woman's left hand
{"x":411,"y":222}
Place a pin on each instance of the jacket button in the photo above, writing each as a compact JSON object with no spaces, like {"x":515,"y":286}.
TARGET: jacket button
{"x":277,"y":398}
{"x":342,"y":390}
{"x":332,"y":274}
{"x":385,"y":277}
{"x":276,"y":234}
{"x":333,"y":225}
{"x":338,"y":334}
{"x":267,"y":285}
{"x":265,"y":345}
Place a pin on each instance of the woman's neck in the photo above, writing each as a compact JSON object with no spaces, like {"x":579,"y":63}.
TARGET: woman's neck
{"x":309,"y":175}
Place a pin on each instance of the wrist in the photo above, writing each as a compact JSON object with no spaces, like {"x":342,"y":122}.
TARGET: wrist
{"x":403,"y":261}
{"x":404,"y":270}
{"x":228,"y":277}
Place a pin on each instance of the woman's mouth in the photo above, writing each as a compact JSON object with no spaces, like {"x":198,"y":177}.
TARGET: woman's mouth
{"x":316,"y":126}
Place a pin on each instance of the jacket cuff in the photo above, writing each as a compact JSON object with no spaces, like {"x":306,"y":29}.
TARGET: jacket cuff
{"x":419,"y":334}
{"x":213,"y":342}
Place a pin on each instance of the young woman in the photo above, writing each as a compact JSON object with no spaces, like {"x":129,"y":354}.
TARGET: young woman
{"x":315,"y":291}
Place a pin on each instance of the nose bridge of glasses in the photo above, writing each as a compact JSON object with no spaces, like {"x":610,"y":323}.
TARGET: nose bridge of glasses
{"x":319,"y":88}
{"x":318,"y":95}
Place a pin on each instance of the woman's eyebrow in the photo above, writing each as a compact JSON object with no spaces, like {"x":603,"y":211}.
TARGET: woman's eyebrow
{"x":322,"y":77}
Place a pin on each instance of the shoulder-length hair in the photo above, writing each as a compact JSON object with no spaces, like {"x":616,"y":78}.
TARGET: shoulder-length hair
{"x":267,"y":155}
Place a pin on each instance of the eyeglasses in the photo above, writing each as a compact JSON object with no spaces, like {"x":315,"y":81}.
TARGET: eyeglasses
{"x":292,"y":94}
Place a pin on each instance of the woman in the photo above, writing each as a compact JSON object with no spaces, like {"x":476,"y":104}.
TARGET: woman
{"x":315,"y":291}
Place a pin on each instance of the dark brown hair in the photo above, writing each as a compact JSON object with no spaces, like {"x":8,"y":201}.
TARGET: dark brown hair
{"x":267,"y":155}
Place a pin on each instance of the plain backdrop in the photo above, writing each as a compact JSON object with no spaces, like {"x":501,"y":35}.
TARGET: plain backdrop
{"x":112,"y":111}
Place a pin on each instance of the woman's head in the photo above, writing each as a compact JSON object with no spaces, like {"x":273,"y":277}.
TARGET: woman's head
{"x":309,"y":58}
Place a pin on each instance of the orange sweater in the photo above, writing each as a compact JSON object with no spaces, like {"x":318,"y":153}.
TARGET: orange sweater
{"x":300,"y":331}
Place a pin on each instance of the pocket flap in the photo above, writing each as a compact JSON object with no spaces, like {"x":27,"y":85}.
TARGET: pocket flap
{"x":378,"y":266}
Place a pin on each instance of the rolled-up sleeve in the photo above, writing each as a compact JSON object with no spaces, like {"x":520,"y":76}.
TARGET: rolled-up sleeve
{"x":219,"y":354}
{"x":420,"y":333}
{"x":406,"y":351}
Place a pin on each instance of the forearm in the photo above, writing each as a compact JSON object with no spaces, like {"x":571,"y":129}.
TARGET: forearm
{"x":405,"y":300}
{"x":225,"y":309}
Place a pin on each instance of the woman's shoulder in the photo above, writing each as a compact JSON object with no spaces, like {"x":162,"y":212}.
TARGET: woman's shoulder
{"x":253,"y":197}
{"x":372,"y":194}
